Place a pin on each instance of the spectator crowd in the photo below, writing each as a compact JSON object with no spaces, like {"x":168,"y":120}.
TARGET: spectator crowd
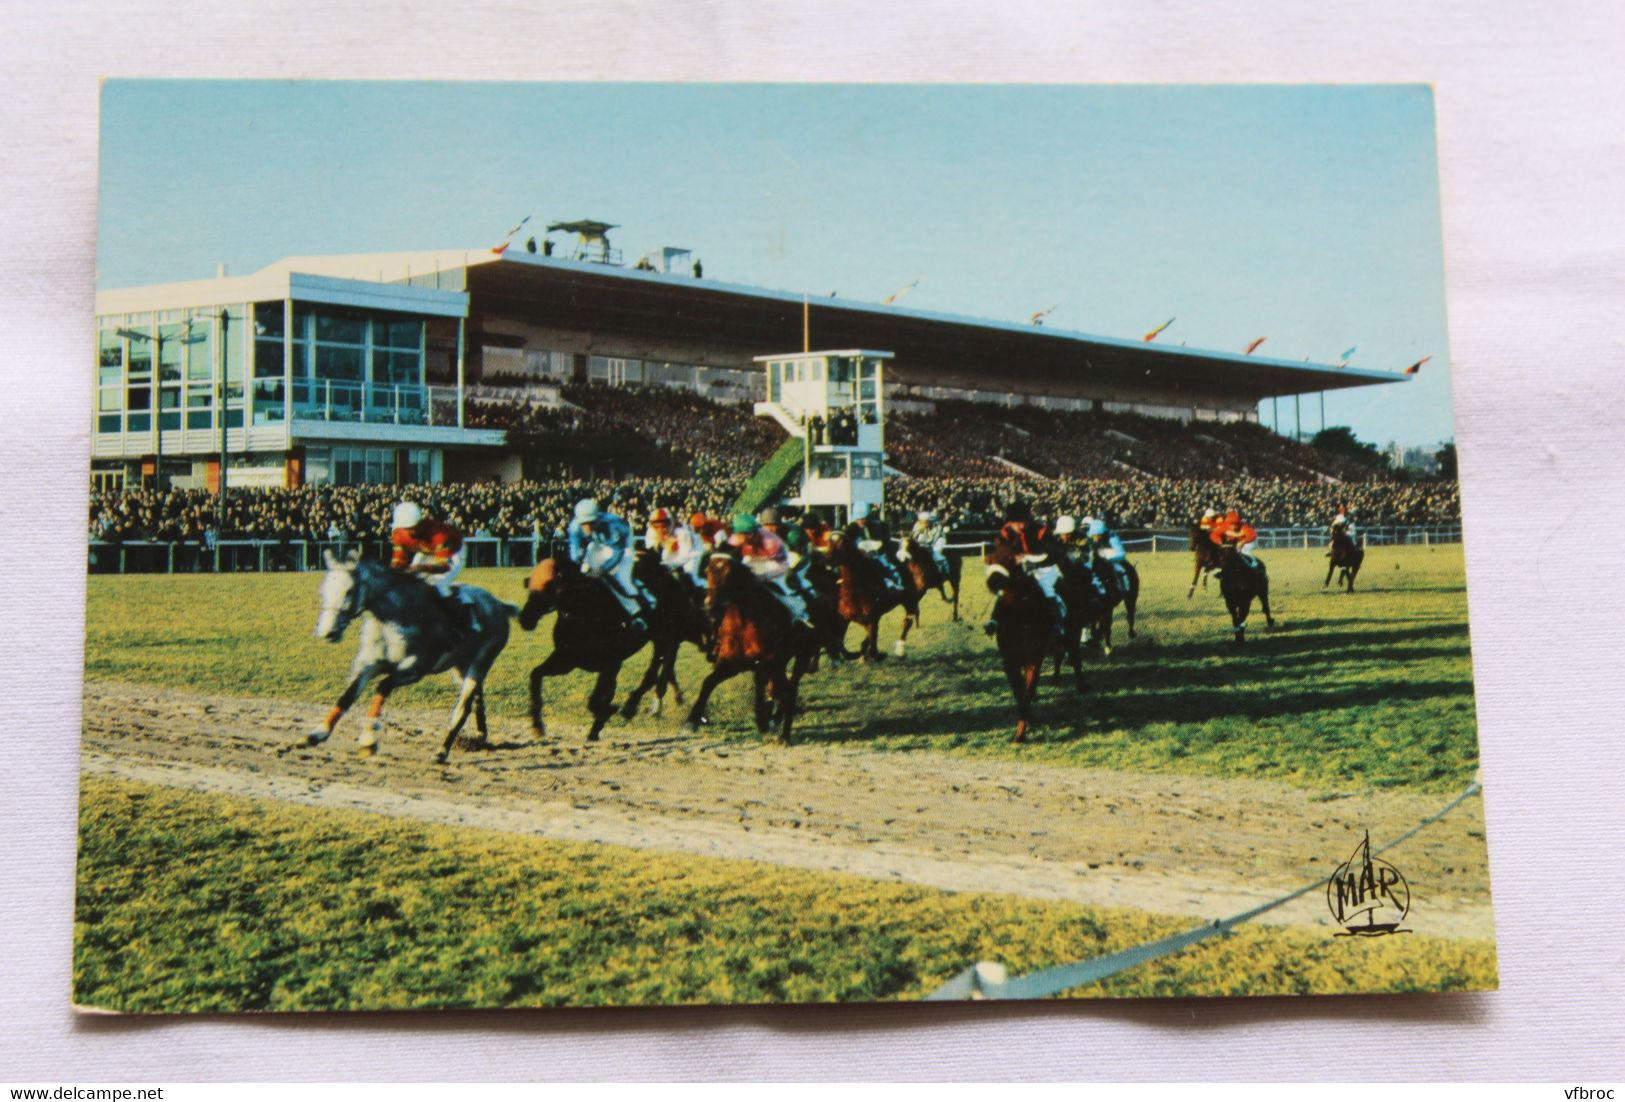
{"x":639,"y":448}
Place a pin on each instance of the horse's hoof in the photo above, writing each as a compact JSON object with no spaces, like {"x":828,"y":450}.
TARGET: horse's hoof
{"x":538,"y":731}
{"x":368,"y":742}
{"x":316,"y":738}
{"x":367,"y":750}
{"x":442,"y":757}
{"x":592,"y":736}
{"x":655,"y":707}
{"x":900,"y":649}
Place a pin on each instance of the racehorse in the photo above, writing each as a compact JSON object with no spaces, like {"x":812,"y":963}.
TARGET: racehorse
{"x":1240,"y":583}
{"x":1207,"y":557}
{"x":592,"y":633}
{"x":679,"y":611}
{"x":1348,"y":555}
{"x":1099,"y":619}
{"x":405,"y":639}
{"x":865,"y":597}
{"x":920,"y":566}
{"x":1027,"y":632}
{"x":754,"y":631}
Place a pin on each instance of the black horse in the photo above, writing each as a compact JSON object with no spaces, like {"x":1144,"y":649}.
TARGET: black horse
{"x":1240,"y":583}
{"x":1345,"y":555}
{"x":594,"y":633}
{"x":1100,"y":626}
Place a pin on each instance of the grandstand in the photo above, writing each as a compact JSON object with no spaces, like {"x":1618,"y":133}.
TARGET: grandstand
{"x":337,"y":369}
{"x":323,"y":385}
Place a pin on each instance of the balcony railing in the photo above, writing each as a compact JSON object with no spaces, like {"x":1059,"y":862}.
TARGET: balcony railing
{"x":334,"y":400}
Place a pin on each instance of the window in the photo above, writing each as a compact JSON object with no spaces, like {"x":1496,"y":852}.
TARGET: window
{"x":865,"y":465}
{"x":269,"y":392}
{"x":109,"y":381}
{"x":199,"y":407}
{"x":419,"y":466}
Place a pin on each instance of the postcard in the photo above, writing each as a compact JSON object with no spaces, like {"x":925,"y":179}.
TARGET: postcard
{"x":640,"y":544}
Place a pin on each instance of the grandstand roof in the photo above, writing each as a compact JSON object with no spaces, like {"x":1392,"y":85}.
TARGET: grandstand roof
{"x":932,"y":349}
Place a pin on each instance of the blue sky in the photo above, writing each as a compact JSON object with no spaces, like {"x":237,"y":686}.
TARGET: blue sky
{"x":1308,"y":214}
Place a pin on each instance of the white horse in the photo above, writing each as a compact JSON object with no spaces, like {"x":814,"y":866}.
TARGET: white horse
{"x":407,"y":636}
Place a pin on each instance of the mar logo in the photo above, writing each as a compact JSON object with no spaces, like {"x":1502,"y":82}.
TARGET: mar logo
{"x":1368,"y":896}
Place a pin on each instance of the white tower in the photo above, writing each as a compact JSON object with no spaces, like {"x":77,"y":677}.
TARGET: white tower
{"x":834,"y":402}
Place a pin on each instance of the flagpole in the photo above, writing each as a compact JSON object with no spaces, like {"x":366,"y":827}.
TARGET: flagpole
{"x":806,"y":324}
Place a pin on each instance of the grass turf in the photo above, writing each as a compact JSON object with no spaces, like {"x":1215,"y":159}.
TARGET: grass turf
{"x":198,"y":903}
{"x":1352,"y":691}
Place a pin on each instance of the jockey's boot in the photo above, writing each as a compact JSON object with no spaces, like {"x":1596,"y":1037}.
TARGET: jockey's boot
{"x":794,"y":602}
{"x":1098,"y":577}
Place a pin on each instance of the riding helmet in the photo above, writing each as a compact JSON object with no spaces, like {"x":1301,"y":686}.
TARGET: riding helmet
{"x":744,"y":524}
{"x":587,"y":511}
{"x":408,"y":514}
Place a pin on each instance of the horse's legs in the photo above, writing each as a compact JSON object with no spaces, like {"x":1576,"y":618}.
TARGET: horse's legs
{"x":479,"y":713}
{"x":651,"y":676}
{"x":717,"y":676}
{"x":1018,"y":686}
{"x":871,"y":641}
{"x":368,"y":742}
{"x":601,"y":702}
{"x":1130,"y":601}
{"x":552,"y":666}
{"x":1194,"y":576}
{"x":346,"y":699}
{"x":764,"y":715}
{"x":1264,"y":603}
{"x":1331,"y":566}
{"x":459,"y":715}
{"x":792,"y":689}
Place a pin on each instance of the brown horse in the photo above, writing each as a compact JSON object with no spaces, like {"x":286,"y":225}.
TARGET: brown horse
{"x":1207,"y":557}
{"x":920,"y":566}
{"x":1347,"y":555}
{"x":1026,"y":629}
{"x":593,"y":633}
{"x":1240,"y":583}
{"x":754,"y":631}
{"x":865,"y":597}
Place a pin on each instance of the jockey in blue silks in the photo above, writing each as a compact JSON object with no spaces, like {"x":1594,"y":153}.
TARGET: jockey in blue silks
{"x":1108,"y":548}
{"x":601,"y":544}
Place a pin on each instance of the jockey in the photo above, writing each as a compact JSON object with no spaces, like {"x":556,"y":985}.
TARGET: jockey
{"x":1341,"y":522}
{"x":869,"y":534}
{"x":768,"y":519}
{"x":710,"y":533}
{"x":679,"y":548}
{"x":1232,"y":529}
{"x":1108,"y":547}
{"x":932,"y":535}
{"x":816,"y":529}
{"x":1038,"y":551}
{"x":769,"y":560}
{"x":1210,"y":517}
{"x":425,"y":546}
{"x":601,"y":544}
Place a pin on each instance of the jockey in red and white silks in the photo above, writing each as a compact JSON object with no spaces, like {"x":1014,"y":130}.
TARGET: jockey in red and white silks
{"x":425,"y":546}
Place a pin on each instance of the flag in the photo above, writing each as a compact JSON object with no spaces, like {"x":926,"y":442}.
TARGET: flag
{"x":893,"y":297}
{"x":1151,"y":336}
{"x":508,"y":238}
{"x":1252,"y":347}
{"x":1038,"y":318}
{"x":1417,"y":366}
{"x":1344,"y":358}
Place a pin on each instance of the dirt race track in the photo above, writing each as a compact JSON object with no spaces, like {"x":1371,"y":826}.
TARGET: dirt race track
{"x":1185,"y":845}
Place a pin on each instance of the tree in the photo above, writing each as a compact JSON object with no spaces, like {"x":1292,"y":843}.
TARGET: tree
{"x":1446,"y":458}
{"x":1340,"y":440}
